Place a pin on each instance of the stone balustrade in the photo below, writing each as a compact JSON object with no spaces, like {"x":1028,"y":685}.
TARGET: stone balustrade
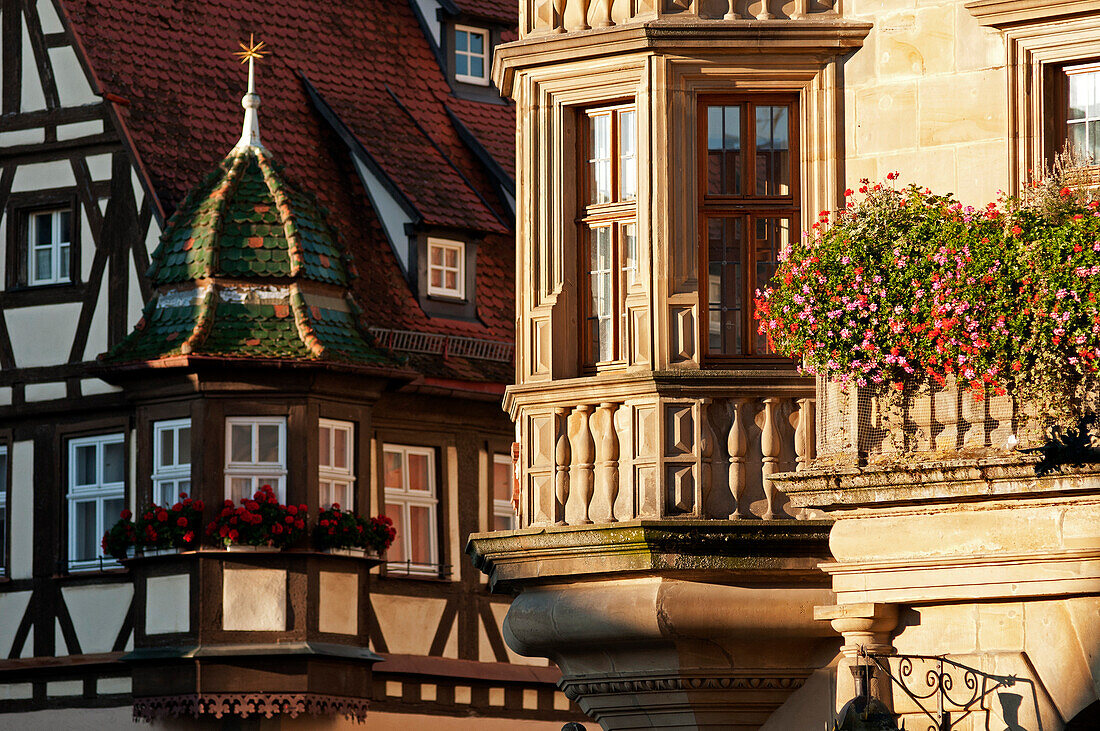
{"x":655,"y":457}
{"x":542,"y":17}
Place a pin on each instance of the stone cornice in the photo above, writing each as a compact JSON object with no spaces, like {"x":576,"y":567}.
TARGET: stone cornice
{"x":688,"y":383}
{"x":902,"y":483}
{"x":1003,"y":13}
{"x":722,"y":551}
{"x":829,"y":36}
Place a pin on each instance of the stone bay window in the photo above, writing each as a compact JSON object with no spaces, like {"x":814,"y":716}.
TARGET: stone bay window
{"x":659,"y":174}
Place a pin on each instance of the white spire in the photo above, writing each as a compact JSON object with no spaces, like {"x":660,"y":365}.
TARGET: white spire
{"x":250,"y":132}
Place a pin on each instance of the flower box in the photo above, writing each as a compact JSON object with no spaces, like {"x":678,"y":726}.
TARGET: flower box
{"x":353,"y":552}
{"x":238,"y":548}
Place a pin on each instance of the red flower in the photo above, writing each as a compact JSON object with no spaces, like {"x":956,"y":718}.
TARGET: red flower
{"x":162,"y":515}
{"x":198,"y":505}
{"x":188,"y":537}
{"x":181,"y":522}
{"x":293,"y":510}
{"x":290,"y":519}
{"x":125,"y":515}
{"x":1065,"y":192}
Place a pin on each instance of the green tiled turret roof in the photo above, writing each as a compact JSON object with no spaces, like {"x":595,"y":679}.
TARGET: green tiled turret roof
{"x":248,"y":267}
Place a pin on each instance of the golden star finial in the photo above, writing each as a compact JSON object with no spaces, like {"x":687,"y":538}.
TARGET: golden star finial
{"x":251,"y":51}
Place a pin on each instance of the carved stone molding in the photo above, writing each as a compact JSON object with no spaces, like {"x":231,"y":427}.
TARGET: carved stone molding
{"x":579,"y":688}
{"x":248,"y":704}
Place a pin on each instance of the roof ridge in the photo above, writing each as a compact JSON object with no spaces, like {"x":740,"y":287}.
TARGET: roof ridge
{"x":221,"y":194}
{"x":204,"y":323}
{"x":283,"y":207}
{"x":301,"y":321}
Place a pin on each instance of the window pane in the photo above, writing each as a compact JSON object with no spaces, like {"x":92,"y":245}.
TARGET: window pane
{"x":340,"y":443}
{"x":420,"y":526}
{"x":502,"y":480}
{"x":325,"y":447}
{"x":1080,"y":95}
{"x":341,"y":494}
{"x":43,"y":230}
{"x":183,"y":453}
{"x":724,"y":285}
{"x":3,"y":476}
{"x":724,"y":150}
{"x":392,"y":474}
{"x":462,"y":64}
{"x":84,"y":531}
{"x":418,"y":473}
{"x":240,"y":487}
{"x":436,"y":255}
{"x":167,"y":448}
{"x":462,"y":40}
{"x":600,"y":161}
{"x":601,"y":304}
{"x":268,"y":439}
{"x":772,"y":151}
{"x":85,"y":471}
{"x":241,"y":441}
{"x":111,"y":510}
{"x":451,"y":257}
{"x":628,"y":166}
{"x":114,"y":462}
{"x":3,"y":538}
{"x":1094,"y":141}
{"x":477,"y":43}
{"x":772,"y":234}
{"x":502,"y":522}
{"x":436,"y":278}
{"x":43,"y":265}
{"x":477,"y":66}
{"x":63,"y":262}
{"x":64,"y":226}
{"x":396,"y":551}
{"x":450,"y":280}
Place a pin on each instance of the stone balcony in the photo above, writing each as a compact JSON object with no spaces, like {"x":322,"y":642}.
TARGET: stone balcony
{"x":227,"y":633}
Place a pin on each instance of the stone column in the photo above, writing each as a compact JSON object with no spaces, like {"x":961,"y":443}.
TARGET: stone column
{"x":865,"y":627}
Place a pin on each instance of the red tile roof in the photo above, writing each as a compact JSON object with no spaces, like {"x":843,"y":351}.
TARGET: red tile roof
{"x":373,"y":65}
{"x":502,"y":11}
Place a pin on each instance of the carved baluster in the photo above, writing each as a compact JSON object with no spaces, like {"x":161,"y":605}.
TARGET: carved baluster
{"x":561,"y":465}
{"x":557,"y":19}
{"x":764,"y":14}
{"x":602,"y":14}
{"x":737,"y":444}
{"x":769,"y":451}
{"x":582,"y":5}
{"x":804,"y":436}
{"x":706,"y":456}
{"x":801,"y":9}
{"x":580,"y":469}
{"x":607,"y":463}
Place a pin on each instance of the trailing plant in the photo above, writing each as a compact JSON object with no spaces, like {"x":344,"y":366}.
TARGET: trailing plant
{"x":338,"y":528}
{"x":120,"y":537}
{"x":177,"y":526}
{"x":909,"y":288}
{"x":259,"y":521}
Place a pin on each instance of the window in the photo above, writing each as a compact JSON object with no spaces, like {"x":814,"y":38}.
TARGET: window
{"x":171,"y":460}
{"x":504,"y":517}
{"x":97,"y":485}
{"x":446,"y":268}
{"x":472,"y":55}
{"x":255,"y":456}
{"x":334,"y":470}
{"x":749,"y":212}
{"x":1082,"y":110}
{"x":49,"y":246}
{"x":411,"y":502}
{"x":608,"y":230}
{"x":3,"y":510}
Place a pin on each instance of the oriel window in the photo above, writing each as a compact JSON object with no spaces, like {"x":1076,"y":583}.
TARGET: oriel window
{"x":748,"y":209}
{"x":609,"y":231}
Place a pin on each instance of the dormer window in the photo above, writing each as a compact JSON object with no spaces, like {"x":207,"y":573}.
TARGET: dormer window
{"x":446,"y":269}
{"x":472,"y":55}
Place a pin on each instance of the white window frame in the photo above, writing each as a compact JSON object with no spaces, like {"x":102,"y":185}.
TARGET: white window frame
{"x":4,"y":517}
{"x":406,"y":498}
{"x":164,"y":475}
{"x":327,"y":473}
{"x":99,"y":492}
{"x":502,"y":508}
{"x":55,"y":247}
{"x":262,"y":473}
{"x":445,"y":245}
{"x":471,"y":31}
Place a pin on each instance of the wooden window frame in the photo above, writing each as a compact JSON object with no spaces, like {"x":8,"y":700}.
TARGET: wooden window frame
{"x":99,"y":493}
{"x":327,"y":473}
{"x":21,"y":208}
{"x":485,"y":56}
{"x":407,"y":498}
{"x":262,"y":472}
{"x":174,"y":473}
{"x":1056,"y":89}
{"x":748,"y":207}
{"x":459,"y":292}
{"x":616,"y":214}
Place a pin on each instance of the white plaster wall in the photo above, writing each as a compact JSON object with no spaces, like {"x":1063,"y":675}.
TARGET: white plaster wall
{"x":139,"y":192}
{"x":97,"y":328}
{"x":499,"y":610}
{"x":22,"y":509}
{"x":47,"y":17}
{"x":39,"y":175}
{"x":13,"y":606}
{"x":33,"y":136}
{"x":168,"y":604}
{"x":134,"y":301}
{"x":926,"y":96}
{"x":99,"y":166}
{"x":79,"y":129}
{"x":254,"y":599}
{"x":72,"y":719}
{"x":32,"y":96}
{"x":45,"y":391}
{"x":429,"y":9}
{"x":389,"y":211}
{"x":338,"y":609}
{"x":92,"y":386}
{"x":73,"y":88}
{"x":97,"y":613}
{"x":42,"y":336}
{"x":408,"y":623}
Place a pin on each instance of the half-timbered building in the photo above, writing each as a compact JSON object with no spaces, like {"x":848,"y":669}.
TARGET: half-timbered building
{"x":328,"y":311}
